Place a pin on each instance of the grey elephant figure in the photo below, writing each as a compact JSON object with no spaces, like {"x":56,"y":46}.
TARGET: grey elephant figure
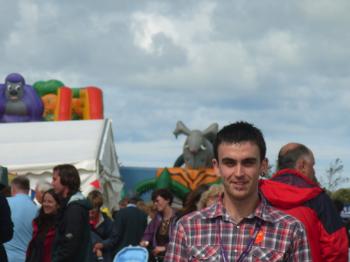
{"x":198,"y":148}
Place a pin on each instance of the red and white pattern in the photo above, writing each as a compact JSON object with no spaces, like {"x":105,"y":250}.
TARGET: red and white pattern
{"x":202,"y":234}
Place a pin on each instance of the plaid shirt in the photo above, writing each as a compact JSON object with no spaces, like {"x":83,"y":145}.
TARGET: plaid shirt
{"x":207,"y":234}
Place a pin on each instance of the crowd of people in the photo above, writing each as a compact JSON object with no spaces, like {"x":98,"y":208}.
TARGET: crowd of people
{"x":288,"y":217}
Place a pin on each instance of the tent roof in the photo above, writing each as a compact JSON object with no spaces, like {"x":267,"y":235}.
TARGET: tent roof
{"x":38,"y":146}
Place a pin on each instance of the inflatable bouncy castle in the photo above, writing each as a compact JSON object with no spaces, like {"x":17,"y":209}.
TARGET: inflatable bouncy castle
{"x":64,"y":103}
{"x":47,"y":101}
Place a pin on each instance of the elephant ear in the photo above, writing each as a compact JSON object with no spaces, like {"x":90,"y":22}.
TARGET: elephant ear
{"x":181,"y":128}
{"x":211,"y":131}
{"x":179,"y":161}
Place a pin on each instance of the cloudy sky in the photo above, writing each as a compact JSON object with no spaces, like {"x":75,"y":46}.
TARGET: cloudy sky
{"x":283,"y":65}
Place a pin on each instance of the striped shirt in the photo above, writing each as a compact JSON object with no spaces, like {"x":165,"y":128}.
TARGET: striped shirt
{"x":212,"y":235}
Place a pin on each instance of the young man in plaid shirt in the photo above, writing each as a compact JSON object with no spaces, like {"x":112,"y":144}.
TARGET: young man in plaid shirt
{"x":241,"y":226}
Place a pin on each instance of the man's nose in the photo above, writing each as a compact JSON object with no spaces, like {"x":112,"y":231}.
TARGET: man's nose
{"x":239,"y":170}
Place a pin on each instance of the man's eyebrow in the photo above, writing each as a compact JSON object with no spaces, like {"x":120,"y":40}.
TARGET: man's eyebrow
{"x":250,"y":159}
{"x":228,"y":159}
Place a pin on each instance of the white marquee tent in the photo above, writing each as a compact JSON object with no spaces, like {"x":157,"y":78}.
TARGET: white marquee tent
{"x":33,"y":149}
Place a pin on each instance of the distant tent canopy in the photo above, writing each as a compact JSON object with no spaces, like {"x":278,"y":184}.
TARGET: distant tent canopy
{"x":33,"y":149}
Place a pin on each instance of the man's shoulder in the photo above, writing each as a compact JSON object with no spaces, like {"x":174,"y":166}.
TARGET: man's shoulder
{"x":139,"y":212}
{"x":17,"y":197}
{"x":79,"y":201}
{"x":281,"y":218}
{"x":22,"y":200}
{"x":131,"y":211}
{"x":197,"y":217}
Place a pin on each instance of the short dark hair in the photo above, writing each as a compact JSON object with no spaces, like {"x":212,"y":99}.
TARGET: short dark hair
{"x":164,"y":193}
{"x":240,"y":132}
{"x":134,"y":199}
{"x":289,"y":158}
{"x":69,"y":177}
{"x":21,"y":182}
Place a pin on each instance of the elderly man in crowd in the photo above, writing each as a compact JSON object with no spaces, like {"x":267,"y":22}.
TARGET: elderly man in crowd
{"x":295,"y":190}
{"x":23,"y":211}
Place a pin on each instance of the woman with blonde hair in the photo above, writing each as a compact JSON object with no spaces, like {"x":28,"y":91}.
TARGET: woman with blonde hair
{"x":210,"y":196}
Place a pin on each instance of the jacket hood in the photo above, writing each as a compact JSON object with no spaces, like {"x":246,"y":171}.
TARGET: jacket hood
{"x":79,"y":199}
{"x":288,"y":188}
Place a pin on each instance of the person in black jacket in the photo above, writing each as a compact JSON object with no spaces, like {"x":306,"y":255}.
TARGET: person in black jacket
{"x":72,"y":241}
{"x":6,"y":226}
{"x":130,"y":223}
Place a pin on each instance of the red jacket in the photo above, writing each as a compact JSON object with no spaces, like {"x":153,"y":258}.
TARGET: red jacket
{"x":48,"y":242}
{"x":295,"y":194}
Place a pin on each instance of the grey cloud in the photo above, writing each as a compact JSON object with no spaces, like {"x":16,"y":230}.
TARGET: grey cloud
{"x":282,"y":65}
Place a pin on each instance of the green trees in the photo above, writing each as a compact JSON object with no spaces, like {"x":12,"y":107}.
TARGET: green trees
{"x":343,"y":195}
{"x":334,"y":178}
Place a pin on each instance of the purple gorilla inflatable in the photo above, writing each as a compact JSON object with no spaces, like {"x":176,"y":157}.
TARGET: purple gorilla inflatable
{"x":19,"y":102}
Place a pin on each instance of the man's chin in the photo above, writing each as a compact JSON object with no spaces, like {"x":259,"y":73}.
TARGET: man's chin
{"x":237,"y":194}
{"x":238,"y":189}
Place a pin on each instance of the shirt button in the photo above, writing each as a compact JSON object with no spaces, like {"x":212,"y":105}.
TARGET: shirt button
{"x":237,"y":227}
{"x":235,"y":251}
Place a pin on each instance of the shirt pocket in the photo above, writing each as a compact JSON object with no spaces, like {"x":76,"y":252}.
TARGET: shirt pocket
{"x":205,"y":253}
{"x":265,"y":254}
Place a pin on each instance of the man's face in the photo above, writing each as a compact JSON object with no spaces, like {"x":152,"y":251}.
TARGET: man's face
{"x":38,"y":195}
{"x":57,"y":186}
{"x":239,"y":166}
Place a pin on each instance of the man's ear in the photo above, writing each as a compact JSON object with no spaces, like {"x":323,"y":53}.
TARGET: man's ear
{"x":299,"y":165}
{"x":264,"y":166}
{"x":216,"y":166}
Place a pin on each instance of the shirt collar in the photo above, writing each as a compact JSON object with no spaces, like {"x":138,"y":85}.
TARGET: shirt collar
{"x":261,"y":211}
